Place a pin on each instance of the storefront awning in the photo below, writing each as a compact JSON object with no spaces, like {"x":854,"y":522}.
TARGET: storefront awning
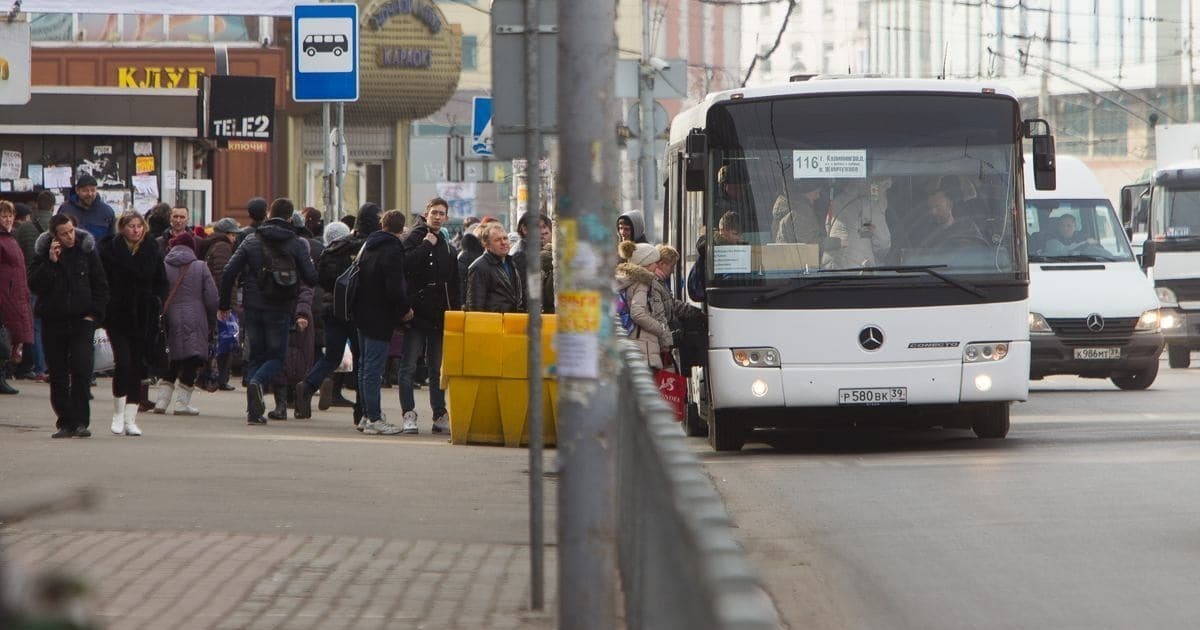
{"x":103,"y":111}
{"x":273,"y":8}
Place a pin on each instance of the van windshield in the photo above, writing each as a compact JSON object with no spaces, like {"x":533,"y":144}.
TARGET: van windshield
{"x":1075,"y":230}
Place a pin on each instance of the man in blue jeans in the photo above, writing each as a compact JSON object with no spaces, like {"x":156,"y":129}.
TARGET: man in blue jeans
{"x":268,"y":316}
{"x":380,"y":306}
{"x":431,"y":269}
{"x":337,"y":257}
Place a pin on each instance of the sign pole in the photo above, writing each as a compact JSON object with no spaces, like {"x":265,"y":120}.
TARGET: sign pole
{"x":340,"y":167}
{"x":533,"y":278}
{"x":327,"y":166}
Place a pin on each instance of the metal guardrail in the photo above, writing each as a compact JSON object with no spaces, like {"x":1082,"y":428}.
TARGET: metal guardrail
{"x":679,"y":563}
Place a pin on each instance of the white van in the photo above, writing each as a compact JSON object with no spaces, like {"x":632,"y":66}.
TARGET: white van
{"x":1092,"y":311}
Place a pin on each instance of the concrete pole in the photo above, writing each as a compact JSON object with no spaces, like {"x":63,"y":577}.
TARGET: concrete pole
{"x":327,"y":166}
{"x":646,"y":165}
{"x":587,"y":357}
{"x":533,"y":278}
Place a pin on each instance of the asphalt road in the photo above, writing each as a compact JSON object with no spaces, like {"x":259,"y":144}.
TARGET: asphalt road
{"x":1086,"y":516}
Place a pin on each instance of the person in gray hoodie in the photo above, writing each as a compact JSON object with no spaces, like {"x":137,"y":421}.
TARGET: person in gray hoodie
{"x":631,"y":226}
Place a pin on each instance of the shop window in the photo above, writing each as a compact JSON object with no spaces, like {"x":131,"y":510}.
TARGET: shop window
{"x":235,"y":28}
{"x":52,"y":27}
{"x":144,"y":28}
{"x":189,"y":28}
{"x":470,"y":49}
{"x":94,"y":27}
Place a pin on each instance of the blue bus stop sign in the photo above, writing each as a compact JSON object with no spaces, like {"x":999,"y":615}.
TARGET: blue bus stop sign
{"x":325,"y":52}
{"x":481,"y":126}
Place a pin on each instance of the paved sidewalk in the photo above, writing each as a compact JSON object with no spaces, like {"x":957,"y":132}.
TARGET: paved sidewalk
{"x":205,"y":522}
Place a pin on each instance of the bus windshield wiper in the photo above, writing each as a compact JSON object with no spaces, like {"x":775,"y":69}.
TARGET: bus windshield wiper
{"x":797,"y":284}
{"x":929,"y":269}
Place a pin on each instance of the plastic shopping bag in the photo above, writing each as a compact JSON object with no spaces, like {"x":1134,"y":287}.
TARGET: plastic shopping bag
{"x":673,"y":388}
{"x":102,"y":352}
{"x":347,"y":364}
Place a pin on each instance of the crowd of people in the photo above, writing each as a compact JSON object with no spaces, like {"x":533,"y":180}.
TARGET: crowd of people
{"x":179,"y":304}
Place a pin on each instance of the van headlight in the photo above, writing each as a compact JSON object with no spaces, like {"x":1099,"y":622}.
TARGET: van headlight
{"x":1038,"y":324}
{"x":1166,"y":296}
{"x":1169,"y":319}
{"x":985,"y":351}
{"x":756,"y":357}
{"x":1150,"y":321}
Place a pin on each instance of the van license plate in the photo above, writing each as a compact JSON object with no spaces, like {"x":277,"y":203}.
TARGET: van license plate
{"x":1097,"y":353}
{"x":873,"y":396}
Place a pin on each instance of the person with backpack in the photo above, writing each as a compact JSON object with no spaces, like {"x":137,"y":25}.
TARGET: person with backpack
{"x":339,"y":255}
{"x":433,"y":288}
{"x":380,"y":306}
{"x":269,"y":266}
{"x":640,"y":309}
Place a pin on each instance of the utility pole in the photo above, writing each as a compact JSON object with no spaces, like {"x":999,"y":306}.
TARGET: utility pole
{"x":533,"y":279}
{"x":340,"y":168}
{"x":588,"y":363}
{"x":1191,"y":53}
{"x":327,"y":166}
{"x":646,"y":165}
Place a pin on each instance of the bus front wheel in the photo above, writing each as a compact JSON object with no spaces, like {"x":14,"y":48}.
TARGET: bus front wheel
{"x":725,"y":431}
{"x":992,"y":421}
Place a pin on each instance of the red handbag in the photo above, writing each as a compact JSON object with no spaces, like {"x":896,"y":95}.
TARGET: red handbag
{"x":673,"y":388}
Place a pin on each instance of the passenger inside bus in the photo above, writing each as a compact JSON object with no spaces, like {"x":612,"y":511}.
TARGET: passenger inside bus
{"x":947,"y":232}
{"x":856,"y":219}
{"x":795,"y":215}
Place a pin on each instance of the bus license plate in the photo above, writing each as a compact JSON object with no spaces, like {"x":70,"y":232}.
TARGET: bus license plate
{"x":873,"y":396}
{"x":1097,"y":353}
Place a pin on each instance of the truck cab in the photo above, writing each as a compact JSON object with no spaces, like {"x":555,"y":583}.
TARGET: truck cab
{"x":1092,"y":311}
{"x":1171,"y":253}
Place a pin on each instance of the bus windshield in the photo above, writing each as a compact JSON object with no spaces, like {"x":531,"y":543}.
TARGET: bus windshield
{"x":862,"y":184}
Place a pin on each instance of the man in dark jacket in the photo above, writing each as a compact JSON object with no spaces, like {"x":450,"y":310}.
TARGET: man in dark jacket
{"x":68,"y":278}
{"x":380,"y":307}
{"x":88,"y":209}
{"x":267,"y":321}
{"x":337,"y":257}
{"x":432,"y":275}
{"x":495,"y":281}
{"x":256,"y":207}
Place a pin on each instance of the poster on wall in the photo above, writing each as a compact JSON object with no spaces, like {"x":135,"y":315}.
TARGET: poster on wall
{"x":144,"y":164}
{"x":118,"y":199}
{"x":143,"y":148}
{"x":57,"y":176}
{"x":460,"y":196}
{"x":102,"y":166}
{"x":35,"y":174}
{"x":10,"y":164}
{"x":145,"y":192}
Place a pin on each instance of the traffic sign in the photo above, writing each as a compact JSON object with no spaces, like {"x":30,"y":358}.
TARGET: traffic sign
{"x":481,"y":126}
{"x":325,"y":52}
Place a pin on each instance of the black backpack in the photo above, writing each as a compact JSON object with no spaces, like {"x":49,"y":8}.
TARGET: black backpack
{"x":278,"y":280}
{"x":345,"y":290}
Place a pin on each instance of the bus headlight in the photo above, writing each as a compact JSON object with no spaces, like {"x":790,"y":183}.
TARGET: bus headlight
{"x":1166,"y":296}
{"x":1149,"y":321}
{"x":1038,"y":324}
{"x":756,"y":357}
{"x":983,"y":352}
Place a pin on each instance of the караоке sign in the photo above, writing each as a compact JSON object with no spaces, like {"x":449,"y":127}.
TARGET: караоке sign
{"x":237,"y":108}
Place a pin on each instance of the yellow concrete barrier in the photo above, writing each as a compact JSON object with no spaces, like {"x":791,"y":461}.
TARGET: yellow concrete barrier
{"x":485,"y":372}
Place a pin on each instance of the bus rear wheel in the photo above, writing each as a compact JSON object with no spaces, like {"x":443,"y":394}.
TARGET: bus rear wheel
{"x":726,"y":432}
{"x":991,"y":422}
{"x":1179,"y":356}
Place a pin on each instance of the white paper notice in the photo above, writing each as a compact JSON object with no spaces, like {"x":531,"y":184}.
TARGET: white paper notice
{"x":836,"y":164}
{"x":143,"y":148}
{"x":578,"y":355}
{"x":145,"y":192}
{"x":169,"y":180}
{"x":10,"y":164}
{"x":57,"y":176}
{"x":731,"y":259}
{"x":35,"y":174}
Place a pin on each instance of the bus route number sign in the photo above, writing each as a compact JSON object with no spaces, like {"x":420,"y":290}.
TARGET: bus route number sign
{"x":829,"y":163}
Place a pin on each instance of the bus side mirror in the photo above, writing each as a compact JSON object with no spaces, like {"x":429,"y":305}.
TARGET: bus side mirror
{"x":695,"y":159}
{"x":1043,"y":153}
{"x":1148,"y":254}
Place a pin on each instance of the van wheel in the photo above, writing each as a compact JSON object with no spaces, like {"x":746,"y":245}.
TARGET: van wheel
{"x":1138,"y":380}
{"x":726,"y":431}
{"x":991,"y":422}
{"x":1178,"y":357}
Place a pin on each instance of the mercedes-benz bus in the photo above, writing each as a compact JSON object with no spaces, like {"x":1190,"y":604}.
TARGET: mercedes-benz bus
{"x":858,"y":248}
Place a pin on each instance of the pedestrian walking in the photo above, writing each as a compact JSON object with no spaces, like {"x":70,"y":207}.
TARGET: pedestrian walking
{"x":299,"y":357}
{"x":495,"y":283}
{"x":68,"y":278}
{"x":471,"y":248}
{"x":191,"y":311}
{"x":431,"y":270}
{"x":16,"y":318}
{"x":381,"y":305}
{"x":180,"y":222}
{"x":339,"y":254}
{"x":216,"y":255}
{"x":89,"y":210}
{"x":270,"y":266}
{"x":133,"y":268}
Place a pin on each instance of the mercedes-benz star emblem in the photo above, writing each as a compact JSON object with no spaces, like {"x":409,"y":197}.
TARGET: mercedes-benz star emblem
{"x":870,"y":338}
{"x":1095,"y":322}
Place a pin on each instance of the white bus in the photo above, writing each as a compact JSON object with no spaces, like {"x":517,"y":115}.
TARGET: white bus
{"x":858,"y":247}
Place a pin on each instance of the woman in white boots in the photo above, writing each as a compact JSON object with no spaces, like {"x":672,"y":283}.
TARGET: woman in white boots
{"x":138,"y":284}
{"x":191,"y":316}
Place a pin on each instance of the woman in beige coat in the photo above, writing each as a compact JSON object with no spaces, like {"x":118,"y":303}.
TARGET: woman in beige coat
{"x":646,"y":308}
